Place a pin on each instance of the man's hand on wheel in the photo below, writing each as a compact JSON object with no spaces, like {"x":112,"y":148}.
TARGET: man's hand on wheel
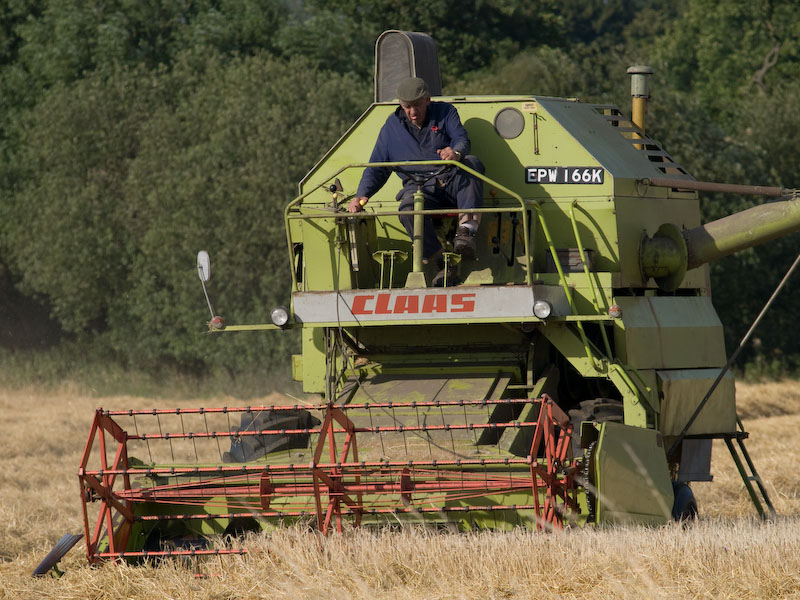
{"x":449,"y":154}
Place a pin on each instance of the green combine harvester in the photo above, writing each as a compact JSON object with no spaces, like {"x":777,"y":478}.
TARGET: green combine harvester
{"x":576,"y":375}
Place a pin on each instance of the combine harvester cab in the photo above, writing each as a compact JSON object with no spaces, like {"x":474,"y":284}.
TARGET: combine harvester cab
{"x":558,"y":383}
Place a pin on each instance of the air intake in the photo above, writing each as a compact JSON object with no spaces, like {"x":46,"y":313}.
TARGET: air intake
{"x":402,"y":54}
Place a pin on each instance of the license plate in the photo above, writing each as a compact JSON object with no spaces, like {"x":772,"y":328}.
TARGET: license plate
{"x":575,"y":175}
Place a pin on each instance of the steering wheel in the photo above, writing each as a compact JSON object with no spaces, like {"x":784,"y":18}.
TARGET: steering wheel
{"x":422,"y":177}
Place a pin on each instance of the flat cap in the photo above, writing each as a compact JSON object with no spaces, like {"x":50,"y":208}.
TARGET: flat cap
{"x":412,"y":89}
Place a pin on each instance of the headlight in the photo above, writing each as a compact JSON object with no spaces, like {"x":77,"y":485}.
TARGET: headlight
{"x":542,"y":309}
{"x":279,"y":316}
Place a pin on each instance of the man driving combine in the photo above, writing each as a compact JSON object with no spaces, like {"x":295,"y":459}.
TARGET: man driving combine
{"x":423,"y":130}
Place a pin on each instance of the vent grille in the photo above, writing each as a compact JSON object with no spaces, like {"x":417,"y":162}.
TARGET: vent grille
{"x":654,"y":152}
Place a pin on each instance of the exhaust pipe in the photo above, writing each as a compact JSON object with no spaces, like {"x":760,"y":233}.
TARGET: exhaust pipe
{"x":640,"y":95}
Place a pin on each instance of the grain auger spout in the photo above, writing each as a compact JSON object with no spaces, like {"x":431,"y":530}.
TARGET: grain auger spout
{"x":671,"y":251}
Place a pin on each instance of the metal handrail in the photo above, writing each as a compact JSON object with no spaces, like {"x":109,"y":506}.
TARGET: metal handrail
{"x":523,"y":206}
{"x":613,"y":365}
{"x":595,"y":301}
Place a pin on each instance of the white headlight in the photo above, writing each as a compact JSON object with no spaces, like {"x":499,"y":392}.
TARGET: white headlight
{"x":542,"y":309}
{"x":279,"y":316}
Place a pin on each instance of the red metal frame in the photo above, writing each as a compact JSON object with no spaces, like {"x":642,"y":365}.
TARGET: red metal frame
{"x":548,"y":477}
{"x":101,"y":485}
{"x":337,"y":488}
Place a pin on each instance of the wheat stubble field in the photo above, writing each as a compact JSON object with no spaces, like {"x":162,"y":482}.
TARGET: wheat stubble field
{"x":727,"y":554}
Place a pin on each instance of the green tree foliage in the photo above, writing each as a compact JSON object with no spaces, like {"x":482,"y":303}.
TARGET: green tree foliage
{"x":14,"y":13}
{"x":328,"y":38}
{"x":768,"y":126}
{"x":47,"y":42}
{"x":72,"y":37}
{"x":728,"y":71}
{"x":724,"y":50}
{"x":220,"y":183}
{"x":608,"y":20}
{"x":469,"y":35}
{"x":129,"y":175}
{"x":552,"y":71}
{"x":65,"y":226}
{"x":135,"y":132}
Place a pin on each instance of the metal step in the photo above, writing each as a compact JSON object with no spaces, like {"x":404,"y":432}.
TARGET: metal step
{"x":748,"y":473}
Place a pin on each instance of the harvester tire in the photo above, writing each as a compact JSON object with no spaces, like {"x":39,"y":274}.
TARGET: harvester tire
{"x":684,"y":508}
{"x":598,"y":410}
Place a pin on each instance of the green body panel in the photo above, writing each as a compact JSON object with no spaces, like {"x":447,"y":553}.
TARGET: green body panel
{"x":331,"y":270}
{"x":388,"y":387}
{"x":631,"y":476}
{"x":683,"y":389}
{"x":669,"y":332}
{"x":639,"y":399}
{"x":637,"y":217}
{"x":596,"y":221}
{"x":313,"y":360}
{"x":588,"y":126}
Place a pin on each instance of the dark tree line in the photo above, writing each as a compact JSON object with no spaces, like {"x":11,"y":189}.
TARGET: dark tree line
{"x":134,"y":132}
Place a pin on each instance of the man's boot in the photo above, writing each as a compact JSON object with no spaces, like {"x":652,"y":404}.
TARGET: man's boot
{"x":464,"y":242}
